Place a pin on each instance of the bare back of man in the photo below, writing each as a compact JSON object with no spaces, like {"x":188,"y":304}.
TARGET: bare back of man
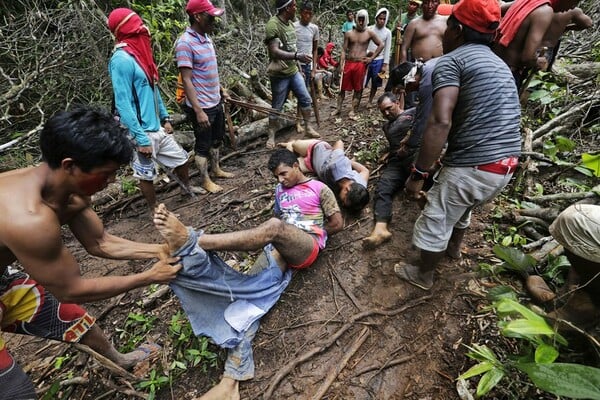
{"x":521,"y":52}
{"x":424,"y":38}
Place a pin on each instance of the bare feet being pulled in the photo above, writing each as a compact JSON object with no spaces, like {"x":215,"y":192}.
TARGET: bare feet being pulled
{"x":227,"y":389}
{"x":174,"y":232}
{"x":379,"y":235}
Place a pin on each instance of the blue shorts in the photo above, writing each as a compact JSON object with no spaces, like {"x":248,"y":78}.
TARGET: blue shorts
{"x":373,"y":70}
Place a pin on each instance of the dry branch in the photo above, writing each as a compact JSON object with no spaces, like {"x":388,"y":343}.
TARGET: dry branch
{"x":289,"y":367}
{"x":563,"y":119}
{"x":571,"y":197}
{"x":339,"y":366}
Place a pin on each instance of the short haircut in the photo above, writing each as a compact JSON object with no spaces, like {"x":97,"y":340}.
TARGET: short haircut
{"x":281,"y":156}
{"x":471,"y":35}
{"x":397,"y":75}
{"x":306,"y":6}
{"x":357,"y":197}
{"x":387,"y":95}
{"x":90,"y":136}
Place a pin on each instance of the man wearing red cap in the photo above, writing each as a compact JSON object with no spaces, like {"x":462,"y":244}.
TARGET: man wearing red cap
{"x":197,"y":63}
{"x":140,"y":106}
{"x":476,"y":111}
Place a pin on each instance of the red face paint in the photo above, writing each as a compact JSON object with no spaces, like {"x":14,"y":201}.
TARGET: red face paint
{"x":97,"y":179}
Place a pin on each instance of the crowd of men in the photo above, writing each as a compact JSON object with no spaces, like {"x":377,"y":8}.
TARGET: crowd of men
{"x":456,"y":78}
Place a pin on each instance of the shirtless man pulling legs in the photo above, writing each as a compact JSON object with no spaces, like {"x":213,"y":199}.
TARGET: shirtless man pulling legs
{"x":81,"y":152}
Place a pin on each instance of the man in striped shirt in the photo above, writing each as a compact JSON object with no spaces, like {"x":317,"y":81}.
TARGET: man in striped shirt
{"x":197,"y":63}
{"x":476,"y":110}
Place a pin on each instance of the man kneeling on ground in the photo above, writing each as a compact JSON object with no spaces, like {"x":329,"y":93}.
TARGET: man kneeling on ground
{"x":226,"y":305}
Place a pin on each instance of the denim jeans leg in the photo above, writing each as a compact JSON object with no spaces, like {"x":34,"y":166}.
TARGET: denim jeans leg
{"x":298,"y":86}
{"x":240,"y":359}
{"x":280,"y":87}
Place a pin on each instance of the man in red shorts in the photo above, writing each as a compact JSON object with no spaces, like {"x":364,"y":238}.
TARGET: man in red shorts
{"x":354,"y":61}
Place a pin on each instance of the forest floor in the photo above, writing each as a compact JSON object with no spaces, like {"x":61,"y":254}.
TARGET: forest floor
{"x":346,"y":328}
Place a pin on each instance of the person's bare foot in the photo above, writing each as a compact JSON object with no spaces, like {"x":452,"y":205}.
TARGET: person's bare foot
{"x":227,"y":389}
{"x":379,"y":235}
{"x":299,"y":128}
{"x":286,"y":145}
{"x":353,"y":116}
{"x":174,"y":232}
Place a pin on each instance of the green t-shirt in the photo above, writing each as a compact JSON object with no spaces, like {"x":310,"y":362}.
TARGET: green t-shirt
{"x":286,"y":33}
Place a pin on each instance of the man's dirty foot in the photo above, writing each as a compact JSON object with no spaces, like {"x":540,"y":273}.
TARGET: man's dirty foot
{"x":227,"y":389}
{"x":311,"y":133}
{"x":169,"y":226}
{"x":286,"y":145}
{"x":270,"y":144}
{"x":376,"y":239}
{"x":412,"y":275}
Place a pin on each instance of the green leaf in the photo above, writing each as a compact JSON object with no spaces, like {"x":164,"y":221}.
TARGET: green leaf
{"x":562,"y":379}
{"x":489,"y":380}
{"x":508,"y":306}
{"x":527,"y":329}
{"x":585,"y":171}
{"x":477,"y":369}
{"x":591,"y":161}
{"x":501,"y":292}
{"x":545,"y":354}
{"x":514,"y":258}
{"x":482,"y":353}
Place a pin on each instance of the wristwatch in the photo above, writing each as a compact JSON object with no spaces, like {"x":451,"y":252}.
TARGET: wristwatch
{"x":166,"y":119}
{"x":418,"y":175}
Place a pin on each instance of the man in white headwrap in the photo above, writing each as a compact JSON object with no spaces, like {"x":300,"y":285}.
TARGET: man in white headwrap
{"x":354,"y":61}
{"x":379,"y":66}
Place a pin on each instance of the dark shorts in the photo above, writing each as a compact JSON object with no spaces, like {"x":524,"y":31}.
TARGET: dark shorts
{"x":211,"y":137}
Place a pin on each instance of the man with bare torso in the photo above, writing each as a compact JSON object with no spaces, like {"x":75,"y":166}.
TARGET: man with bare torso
{"x":423,"y":35}
{"x":522,"y":31}
{"x":81,"y":152}
{"x":354,"y":61}
{"x":570,"y":20}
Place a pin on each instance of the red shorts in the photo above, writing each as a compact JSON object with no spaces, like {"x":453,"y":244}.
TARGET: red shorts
{"x":354,"y":76}
{"x":310,"y":259}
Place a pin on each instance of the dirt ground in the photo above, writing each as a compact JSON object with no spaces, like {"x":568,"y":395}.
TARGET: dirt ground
{"x":347,"y":328}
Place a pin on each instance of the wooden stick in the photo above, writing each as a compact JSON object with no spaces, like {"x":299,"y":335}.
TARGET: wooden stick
{"x":332,"y":375}
{"x":289,"y":367}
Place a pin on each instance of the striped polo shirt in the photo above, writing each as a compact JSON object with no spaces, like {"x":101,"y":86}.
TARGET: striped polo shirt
{"x":486,"y":118}
{"x":196,"y":51}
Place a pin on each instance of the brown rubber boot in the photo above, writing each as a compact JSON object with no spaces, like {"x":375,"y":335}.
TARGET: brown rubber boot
{"x":215,"y":167}
{"x":421,"y":273}
{"x":308,"y":129}
{"x":453,"y":249}
{"x":206,"y":182}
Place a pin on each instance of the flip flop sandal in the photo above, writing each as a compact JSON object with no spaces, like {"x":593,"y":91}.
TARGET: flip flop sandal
{"x":401,"y":272}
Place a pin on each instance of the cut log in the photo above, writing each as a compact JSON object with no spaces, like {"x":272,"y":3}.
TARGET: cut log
{"x":259,"y":128}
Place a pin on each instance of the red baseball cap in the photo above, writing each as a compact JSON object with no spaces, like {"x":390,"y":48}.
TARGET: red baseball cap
{"x":480,"y":15}
{"x":199,"y":6}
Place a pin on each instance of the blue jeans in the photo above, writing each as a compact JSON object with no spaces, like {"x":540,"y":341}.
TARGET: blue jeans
{"x":306,"y":70}
{"x":280,"y":88}
{"x":224,"y":304}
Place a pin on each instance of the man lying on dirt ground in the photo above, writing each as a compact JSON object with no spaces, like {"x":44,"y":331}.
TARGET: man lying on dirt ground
{"x":476,"y":110}
{"x":226,"y":305}
{"x":577,"y":228}
{"x":400,"y":157}
{"x":347,"y":178}
{"x":81,"y":152}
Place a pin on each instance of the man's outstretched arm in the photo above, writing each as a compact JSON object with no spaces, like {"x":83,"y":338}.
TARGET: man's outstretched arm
{"x":361,"y":169}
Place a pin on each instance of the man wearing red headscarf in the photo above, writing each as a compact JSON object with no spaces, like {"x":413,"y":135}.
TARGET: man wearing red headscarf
{"x":140,"y":106}
{"x":521,"y":33}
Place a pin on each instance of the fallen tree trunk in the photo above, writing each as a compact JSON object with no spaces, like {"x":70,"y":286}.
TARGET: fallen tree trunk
{"x":565,"y":118}
{"x":259,"y":128}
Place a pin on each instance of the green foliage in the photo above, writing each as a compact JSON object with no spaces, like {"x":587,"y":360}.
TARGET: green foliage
{"x":537,"y":347}
{"x":514,"y":259}
{"x":135,"y":330}
{"x":129,"y":186}
{"x":563,"y":379}
{"x":545,"y":91}
{"x":154,"y":382}
{"x":372,"y":152}
{"x":591,"y":162}
{"x":556,"y":269}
